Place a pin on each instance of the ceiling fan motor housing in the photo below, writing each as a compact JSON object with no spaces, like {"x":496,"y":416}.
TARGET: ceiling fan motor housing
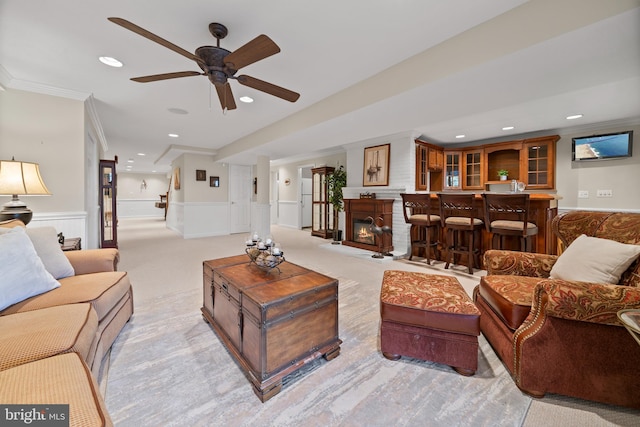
{"x":214,"y":66}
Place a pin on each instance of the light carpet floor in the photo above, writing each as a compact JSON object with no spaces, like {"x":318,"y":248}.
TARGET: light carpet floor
{"x":169,"y":368}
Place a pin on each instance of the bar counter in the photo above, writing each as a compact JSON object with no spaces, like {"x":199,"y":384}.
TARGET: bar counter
{"x":543,"y":208}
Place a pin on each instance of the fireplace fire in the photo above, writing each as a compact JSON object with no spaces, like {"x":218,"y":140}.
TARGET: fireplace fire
{"x":362,"y":232}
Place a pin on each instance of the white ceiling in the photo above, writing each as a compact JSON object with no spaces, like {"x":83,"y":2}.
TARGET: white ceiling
{"x":364,"y":69}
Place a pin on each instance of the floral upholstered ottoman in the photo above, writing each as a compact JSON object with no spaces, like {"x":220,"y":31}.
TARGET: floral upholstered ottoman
{"x":429,"y":317}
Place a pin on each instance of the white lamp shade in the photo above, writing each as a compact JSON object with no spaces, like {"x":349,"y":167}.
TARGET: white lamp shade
{"x":21,"y":178}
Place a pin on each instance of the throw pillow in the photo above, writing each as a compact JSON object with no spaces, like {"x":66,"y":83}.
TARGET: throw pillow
{"x":45,"y":242}
{"x":592,"y":259}
{"x":22,"y":273}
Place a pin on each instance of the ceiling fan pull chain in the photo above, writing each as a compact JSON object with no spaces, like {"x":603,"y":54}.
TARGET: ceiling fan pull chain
{"x":224,"y":110}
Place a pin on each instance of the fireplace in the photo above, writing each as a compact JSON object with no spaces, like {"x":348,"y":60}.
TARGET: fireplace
{"x":358,"y":215}
{"x":362,"y":232}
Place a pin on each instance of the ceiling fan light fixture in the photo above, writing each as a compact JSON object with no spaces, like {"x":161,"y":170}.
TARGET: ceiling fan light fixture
{"x":112,"y":62}
{"x":246,"y":99}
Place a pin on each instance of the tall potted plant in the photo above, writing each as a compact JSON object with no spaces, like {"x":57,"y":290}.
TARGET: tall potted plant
{"x":336,"y":181}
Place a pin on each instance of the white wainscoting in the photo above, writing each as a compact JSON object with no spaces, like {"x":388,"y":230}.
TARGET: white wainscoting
{"x":139,"y":208}
{"x":288,"y":214}
{"x":71,"y":224}
{"x":199,"y":219}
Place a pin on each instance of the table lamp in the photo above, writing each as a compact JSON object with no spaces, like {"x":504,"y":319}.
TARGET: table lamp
{"x":19,"y":178}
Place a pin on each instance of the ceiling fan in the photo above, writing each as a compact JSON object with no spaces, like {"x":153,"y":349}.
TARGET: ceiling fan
{"x":219,"y":64}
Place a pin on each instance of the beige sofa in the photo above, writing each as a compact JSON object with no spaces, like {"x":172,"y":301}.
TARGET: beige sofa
{"x":61,"y":336}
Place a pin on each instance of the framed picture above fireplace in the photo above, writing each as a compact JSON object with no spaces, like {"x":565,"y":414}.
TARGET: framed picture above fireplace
{"x":376,"y":165}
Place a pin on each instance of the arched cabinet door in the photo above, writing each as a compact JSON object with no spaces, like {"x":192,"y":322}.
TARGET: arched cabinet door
{"x":107,"y":195}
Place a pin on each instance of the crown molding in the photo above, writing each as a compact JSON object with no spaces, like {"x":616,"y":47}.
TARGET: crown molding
{"x":90,"y":109}
{"x":7,"y":81}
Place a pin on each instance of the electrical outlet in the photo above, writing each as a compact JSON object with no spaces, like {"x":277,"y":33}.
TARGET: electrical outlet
{"x":583,"y":194}
{"x":605,"y":193}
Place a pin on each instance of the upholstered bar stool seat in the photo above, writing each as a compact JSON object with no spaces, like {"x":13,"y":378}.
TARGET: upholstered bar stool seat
{"x":507,"y":215}
{"x":428,"y":317}
{"x":459,"y":216}
{"x":425,"y":226}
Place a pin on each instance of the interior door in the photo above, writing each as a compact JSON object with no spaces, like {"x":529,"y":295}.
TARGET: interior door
{"x":240,"y":186}
{"x":306,"y":202}
{"x":108,"y":214}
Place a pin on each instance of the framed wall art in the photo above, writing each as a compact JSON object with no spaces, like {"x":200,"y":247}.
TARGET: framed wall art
{"x":176,"y":179}
{"x":214,"y":181}
{"x":201,"y":175}
{"x":376,"y":165}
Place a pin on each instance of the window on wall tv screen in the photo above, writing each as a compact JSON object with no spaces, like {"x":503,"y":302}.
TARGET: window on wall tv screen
{"x":600,"y":147}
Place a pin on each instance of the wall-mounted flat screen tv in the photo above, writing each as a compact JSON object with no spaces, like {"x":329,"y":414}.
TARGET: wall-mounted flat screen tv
{"x":600,"y":147}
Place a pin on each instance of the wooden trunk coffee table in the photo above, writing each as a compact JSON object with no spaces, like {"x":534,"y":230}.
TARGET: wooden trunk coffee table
{"x":272,"y":322}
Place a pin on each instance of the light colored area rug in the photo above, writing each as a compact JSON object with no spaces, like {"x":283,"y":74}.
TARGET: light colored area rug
{"x":169,"y":368}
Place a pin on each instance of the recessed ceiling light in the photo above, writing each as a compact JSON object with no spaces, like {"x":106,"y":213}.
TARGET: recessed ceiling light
{"x":246,"y":99}
{"x":178,"y":111}
{"x":173,"y":135}
{"x":112,"y":62}
{"x":141,"y":154}
{"x":508,"y":128}
{"x":575,"y":116}
{"x":460,"y":136}
{"x":130,"y":161}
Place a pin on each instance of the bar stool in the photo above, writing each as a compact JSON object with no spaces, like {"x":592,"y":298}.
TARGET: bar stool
{"x":508,"y":215}
{"x":458,"y":214}
{"x":424,"y":225}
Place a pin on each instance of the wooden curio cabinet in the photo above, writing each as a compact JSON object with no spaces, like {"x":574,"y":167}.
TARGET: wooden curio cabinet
{"x":322,"y":210}
{"x":108,"y":204}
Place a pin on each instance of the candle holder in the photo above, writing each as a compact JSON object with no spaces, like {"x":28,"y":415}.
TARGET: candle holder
{"x":266,"y":257}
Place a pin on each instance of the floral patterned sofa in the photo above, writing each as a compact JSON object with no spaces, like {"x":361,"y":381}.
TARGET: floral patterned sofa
{"x":563,"y":336}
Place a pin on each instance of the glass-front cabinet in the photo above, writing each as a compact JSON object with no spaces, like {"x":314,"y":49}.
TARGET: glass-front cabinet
{"x":322,"y":210}
{"x":530,"y":161}
{"x":452,"y":170}
{"x":473,"y":176}
{"x":540,"y":162}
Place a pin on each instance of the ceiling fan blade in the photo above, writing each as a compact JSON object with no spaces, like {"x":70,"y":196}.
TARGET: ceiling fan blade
{"x":259,"y":48}
{"x":166,"y":76}
{"x":226,"y":96}
{"x":149,"y":35}
{"x":269,"y":88}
